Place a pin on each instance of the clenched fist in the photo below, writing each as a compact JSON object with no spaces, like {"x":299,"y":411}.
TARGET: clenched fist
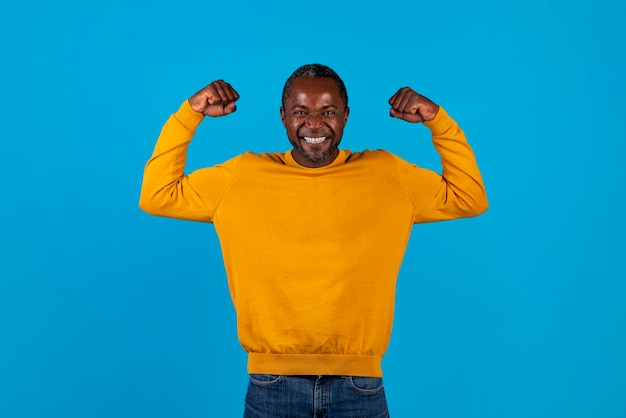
{"x":411,"y":106}
{"x":216,"y":99}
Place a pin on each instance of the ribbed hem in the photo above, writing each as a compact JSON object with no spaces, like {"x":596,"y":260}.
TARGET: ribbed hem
{"x":314,"y":364}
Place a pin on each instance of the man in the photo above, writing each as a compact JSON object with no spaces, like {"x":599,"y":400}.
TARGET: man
{"x":313,"y":238}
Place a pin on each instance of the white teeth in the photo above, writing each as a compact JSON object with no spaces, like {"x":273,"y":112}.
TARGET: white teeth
{"x":317,"y":140}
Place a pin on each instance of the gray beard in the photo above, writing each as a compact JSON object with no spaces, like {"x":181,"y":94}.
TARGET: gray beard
{"x":315,"y":159}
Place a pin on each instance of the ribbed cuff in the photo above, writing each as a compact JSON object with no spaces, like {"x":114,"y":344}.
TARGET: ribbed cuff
{"x":441,"y":123}
{"x":188,"y":117}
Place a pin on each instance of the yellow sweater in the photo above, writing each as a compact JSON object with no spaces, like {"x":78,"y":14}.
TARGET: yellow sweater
{"x":312,"y":254}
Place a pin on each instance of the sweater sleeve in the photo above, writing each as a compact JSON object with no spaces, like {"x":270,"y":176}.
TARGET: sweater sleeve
{"x":166,"y":189}
{"x":459,"y":191}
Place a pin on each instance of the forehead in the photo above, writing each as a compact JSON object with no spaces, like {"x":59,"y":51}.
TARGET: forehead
{"x":311,"y":91}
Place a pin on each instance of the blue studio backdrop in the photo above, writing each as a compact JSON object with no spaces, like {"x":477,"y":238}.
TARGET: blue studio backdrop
{"x":106,"y":311}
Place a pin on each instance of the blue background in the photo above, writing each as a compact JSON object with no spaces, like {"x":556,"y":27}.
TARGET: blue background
{"x":108,"y":312}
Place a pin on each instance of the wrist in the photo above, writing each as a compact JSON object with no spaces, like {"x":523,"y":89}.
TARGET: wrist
{"x":440,"y":123}
{"x":195,"y":106}
{"x":188,"y":116}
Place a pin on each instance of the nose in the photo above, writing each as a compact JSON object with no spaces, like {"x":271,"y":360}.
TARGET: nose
{"x":313,"y":121}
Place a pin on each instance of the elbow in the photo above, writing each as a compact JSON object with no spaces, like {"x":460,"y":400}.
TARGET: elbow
{"x":482,"y":206}
{"x":478,"y":205}
{"x":472,"y":204}
{"x":146,"y":203}
{"x":143,"y":206}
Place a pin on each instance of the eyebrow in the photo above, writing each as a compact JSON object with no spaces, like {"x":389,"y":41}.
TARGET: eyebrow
{"x":306,"y":107}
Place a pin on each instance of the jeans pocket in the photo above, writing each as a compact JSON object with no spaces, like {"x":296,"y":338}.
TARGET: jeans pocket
{"x":265,"y":379}
{"x":365,"y":385}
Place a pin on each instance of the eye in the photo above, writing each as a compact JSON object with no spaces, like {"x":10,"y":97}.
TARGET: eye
{"x":329,"y":113}
{"x":298,"y":113}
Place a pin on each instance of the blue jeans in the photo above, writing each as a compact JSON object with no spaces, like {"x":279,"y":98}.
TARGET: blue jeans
{"x":272,"y":396}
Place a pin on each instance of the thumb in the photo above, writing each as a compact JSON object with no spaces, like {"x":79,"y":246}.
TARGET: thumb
{"x":230,"y":108}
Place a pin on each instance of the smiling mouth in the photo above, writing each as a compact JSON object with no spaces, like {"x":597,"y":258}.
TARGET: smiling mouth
{"x":314,"y":140}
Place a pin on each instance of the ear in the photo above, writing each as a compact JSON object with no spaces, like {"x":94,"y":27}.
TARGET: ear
{"x":282,"y":116}
{"x":345,"y":115}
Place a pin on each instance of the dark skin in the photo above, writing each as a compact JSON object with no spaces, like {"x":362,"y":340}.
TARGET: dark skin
{"x":314,"y":114}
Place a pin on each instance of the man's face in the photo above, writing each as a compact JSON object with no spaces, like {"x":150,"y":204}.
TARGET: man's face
{"x":314,"y":115}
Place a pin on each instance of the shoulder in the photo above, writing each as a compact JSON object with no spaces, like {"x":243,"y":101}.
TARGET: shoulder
{"x":271,"y":157}
{"x":378,"y":155}
{"x":261,"y":157}
{"x":262,"y":160}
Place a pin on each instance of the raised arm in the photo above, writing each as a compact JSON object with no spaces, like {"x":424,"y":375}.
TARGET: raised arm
{"x":166,"y":190}
{"x":459,"y":191}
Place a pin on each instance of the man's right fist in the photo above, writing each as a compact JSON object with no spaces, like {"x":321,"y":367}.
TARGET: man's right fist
{"x":216,"y":99}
